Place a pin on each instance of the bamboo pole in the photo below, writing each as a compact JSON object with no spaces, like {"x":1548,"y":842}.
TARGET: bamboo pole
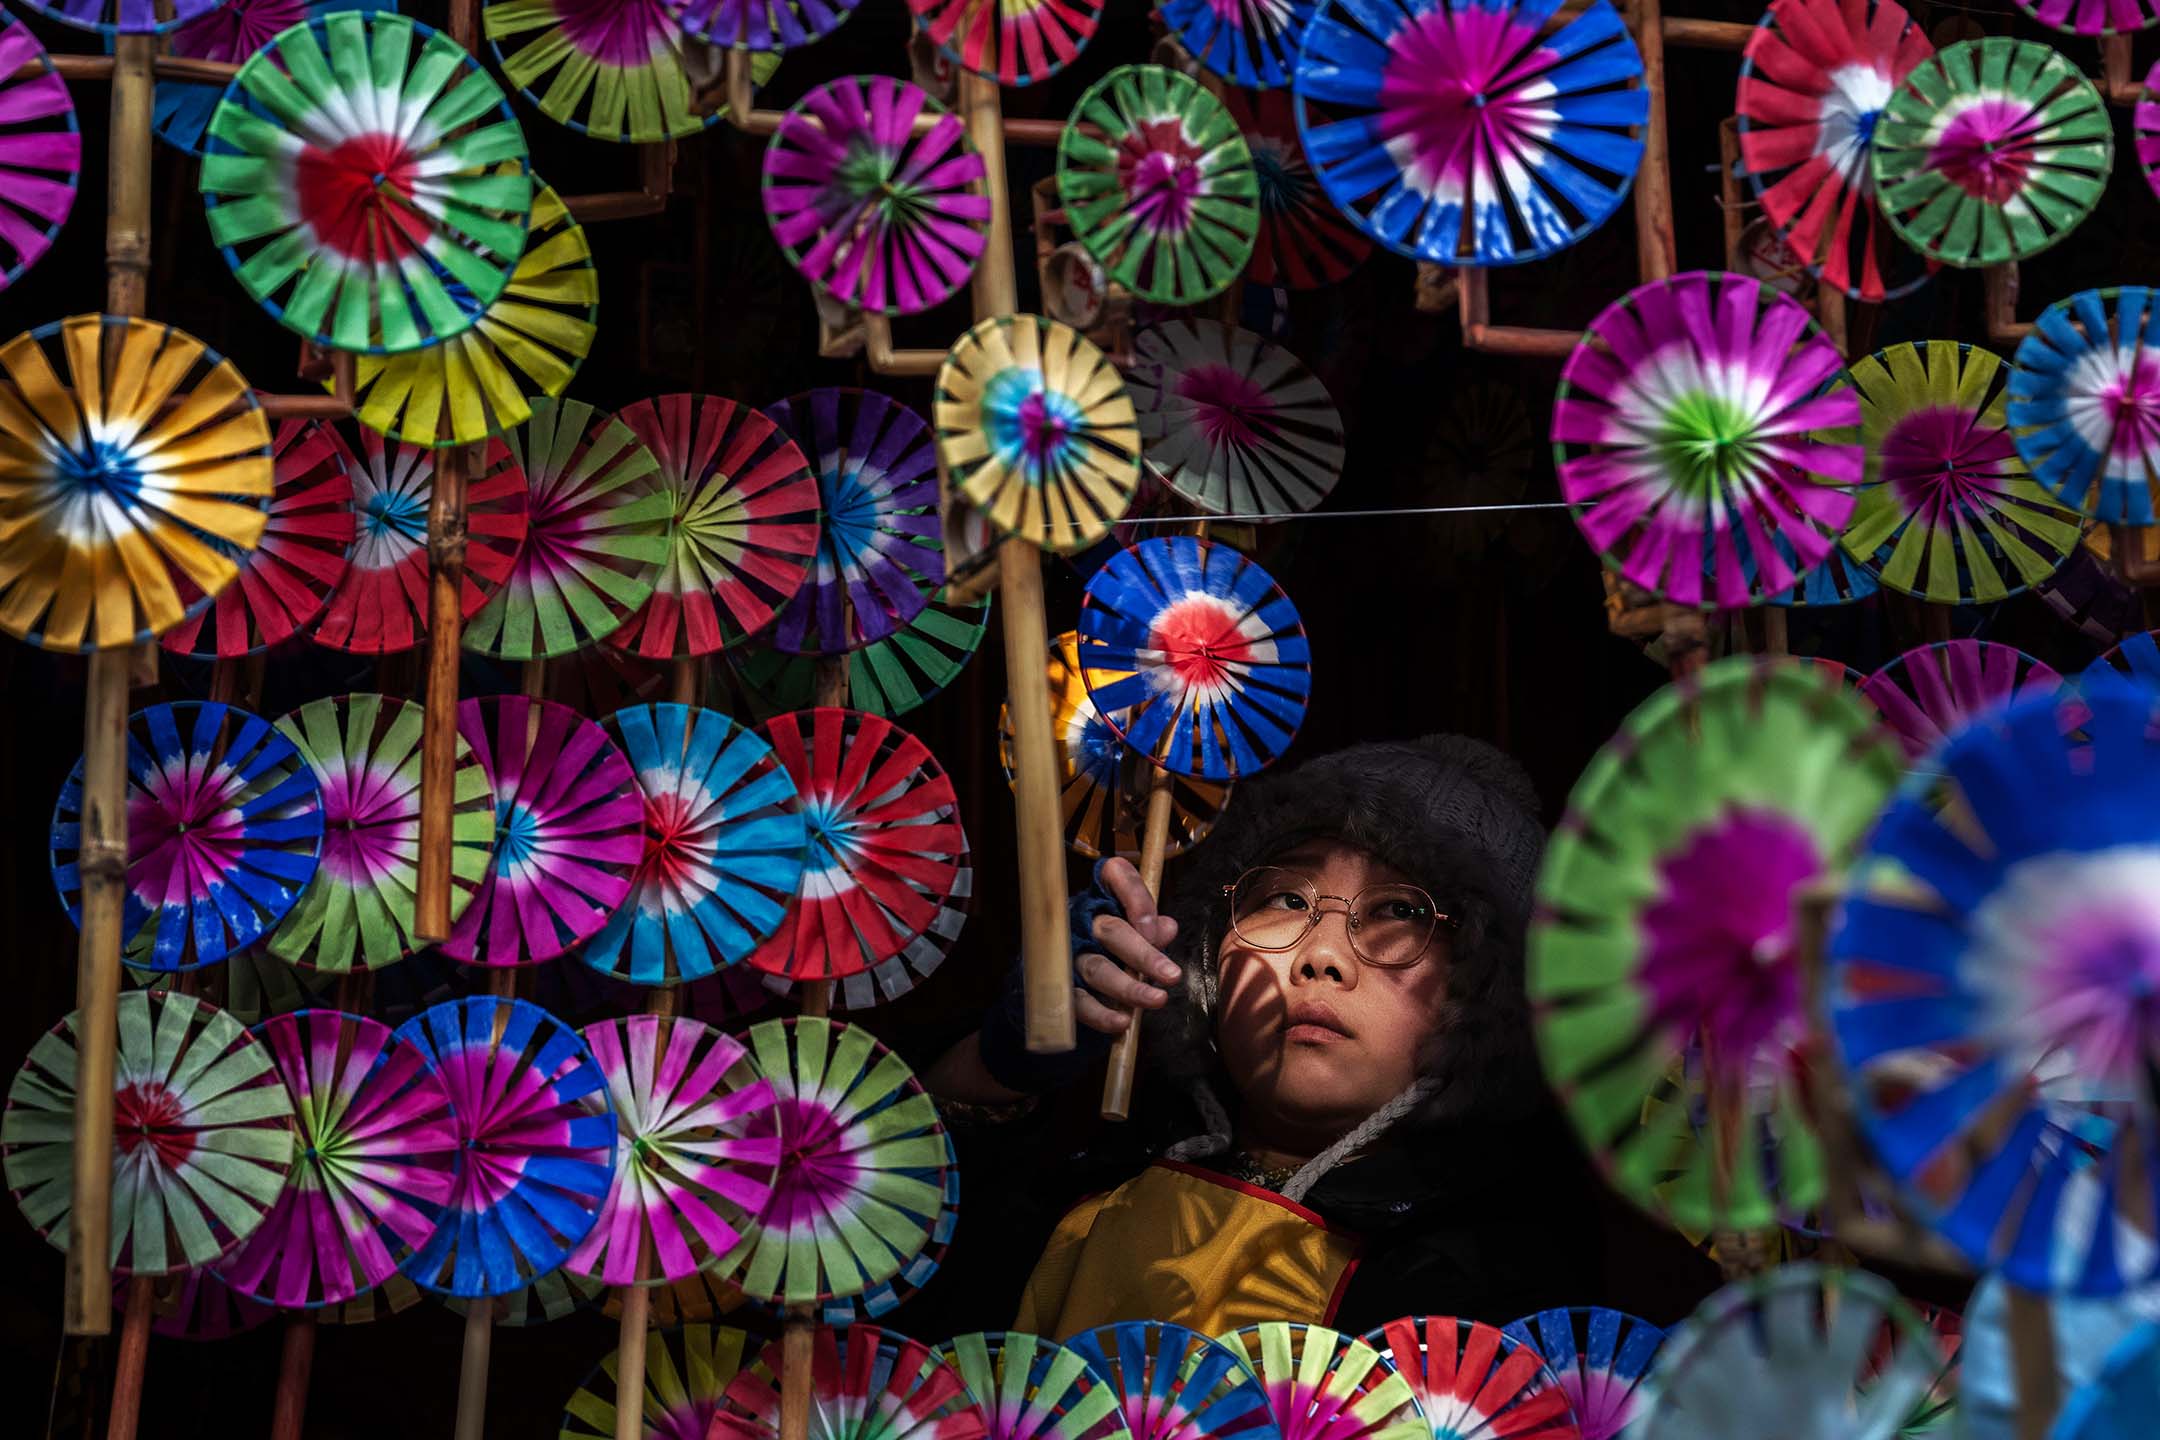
{"x":1655,"y":249}
{"x":295,"y":1364}
{"x":438,"y":732}
{"x":134,"y":1351}
{"x":798,"y":1344}
{"x":686,"y":682}
{"x":1154,"y":847}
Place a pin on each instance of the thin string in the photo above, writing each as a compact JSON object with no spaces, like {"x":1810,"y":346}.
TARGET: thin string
{"x":1278,"y":519}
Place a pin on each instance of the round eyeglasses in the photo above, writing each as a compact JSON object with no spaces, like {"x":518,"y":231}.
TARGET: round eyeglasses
{"x":1390,"y":925}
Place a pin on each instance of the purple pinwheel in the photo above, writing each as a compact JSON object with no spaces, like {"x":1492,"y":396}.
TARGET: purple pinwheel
{"x":871,"y":215}
{"x":1600,"y":1358}
{"x":122,"y":17}
{"x":1927,"y":693}
{"x":762,"y":24}
{"x":2145,"y":120}
{"x":40,"y":151}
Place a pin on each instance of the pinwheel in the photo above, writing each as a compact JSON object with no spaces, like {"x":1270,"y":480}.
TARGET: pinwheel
{"x":1323,"y":1384}
{"x":1987,"y":988}
{"x":538,"y":1136}
{"x":1173,"y":1383}
{"x":355,"y":233}
{"x":873,"y":215}
{"x":549,"y":1298}
{"x":598,"y":535}
{"x":568,"y":832}
{"x":1158,"y":185}
{"x":1029,"y":1388}
{"x":380,"y":605}
{"x":1517,"y":145}
{"x":1701,"y":458}
{"x":867,"y":1384}
{"x":2084,"y":1334}
{"x":686,"y":1372}
{"x":2091,"y":17}
{"x":1813,"y":82}
{"x":529,"y":342}
{"x":2137,"y":656}
{"x":1014,"y":42}
{"x":2145,"y":120}
{"x":195,"y":1305}
{"x":744,"y":524}
{"x":1945,"y":502}
{"x":1304,"y":241}
{"x":1804,"y":1352}
{"x":1194,"y":655}
{"x":888,"y":677}
{"x":1472,"y":1379}
{"x":761,"y":25}
{"x":121,"y":17}
{"x":40,"y":151}
{"x":882,"y":553}
{"x":202,"y":1133}
{"x":377,"y":1157}
{"x":1252,"y":42}
{"x":285,"y":582}
{"x":1837,"y":580}
{"x":1661,"y":950}
{"x":886,"y":850}
{"x":861,"y":1169}
{"x":112,"y":495}
{"x":1927,"y":693}
{"x":1599,"y":1357}
{"x":229,"y":34}
{"x":364,"y":751}
{"x":614,"y":72}
{"x":686,"y":1302}
{"x":1991,"y":150}
{"x":1935,"y":1413}
{"x":2085,"y":402}
{"x":2121,"y":1400}
{"x":1035,"y":430}
{"x":879,"y":1300}
{"x":224,"y":824}
{"x":1236,"y":425}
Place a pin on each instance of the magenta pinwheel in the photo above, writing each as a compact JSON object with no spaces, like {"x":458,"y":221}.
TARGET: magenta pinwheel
{"x":868,"y":1384}
{"x":1323,"y":1385}
{"x":2085,"y":402}
{"x":2145,"y":121}
{"x":1927,"y":693}
{"x":1471,"y":1378}
{"x":1029,"y":1388}
{"x":40,"y":151}
{"x":1015,"y":42}
{"x":759,"y":25}
{"x":2091,"y":17}
{"x":1700,"y":459}
{"x":1600,"y":1357}
{"x":569,"y":832}
{"x":121,"y":17}
{"x":872,"y":214}
{"x":1304,"y":241}
{"x":377,"y":1156}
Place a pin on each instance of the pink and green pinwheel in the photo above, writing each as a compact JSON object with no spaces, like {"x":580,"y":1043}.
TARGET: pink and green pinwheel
{"x":1323,"y":1385}
{"x":1304,"y":241}
{"x":611,"y":69}
{"x":1927,"y":693}
{"x":1029,"y":1388}
{"x":1600,"y":1358}
{"x":867,"y":1384}
{"x":2085,"y":402}
{"x":761,"y":25}
{"x":1014,"y":42}
{"x":1173,"y":1383}
{"x":1473,"y":1379}
{"x":2092,"y":17}
{"x":40,"y":151}
{"x":687,"y":1370}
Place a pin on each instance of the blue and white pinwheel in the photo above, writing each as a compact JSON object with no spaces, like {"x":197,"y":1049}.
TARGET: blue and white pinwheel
{"x":2122,"y":1400}
{"x":1600,"y":1357}
{"x":2085,"y":402}
{"x":1173,"y":1383}
{"x":1252,"y":42}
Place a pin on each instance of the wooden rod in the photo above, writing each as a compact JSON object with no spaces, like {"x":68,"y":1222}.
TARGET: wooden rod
{"x":1776,"y":638}
{"x":686,"y":681}
{"x":2032,"y":1362}
{"x":134,"y":1353}
{"x":168,"y":67}
{"x":1474,"y":302}
{"x":438,"y":734}
{"x":885,"y":360}
{"x":1117,"y":1087}
{"x":306,"y":407}
{"x":631,"y":1339}
{"x":471,"y":1421}
{"x":127,"y":182}
{"x":798,"y":1346}
{"x":295,"y":1364}
{"x":1656,"y":253}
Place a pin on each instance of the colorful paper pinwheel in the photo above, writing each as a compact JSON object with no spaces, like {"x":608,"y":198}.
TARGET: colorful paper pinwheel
{"x":1927,"y":693}
{"x":744,"y":527}
{"x":549,"y":1298}
{"x":533,"y":1120}
{"x":1600,"y":1357}
{"x":1236,"y":425}
{"x":121,"y":17}
{"x":1990,"y":151}
{"x":1173,"y":1383}
{"x":2122,"y":1399}
{"x":861,"y":1170}
{"x":1813,"y":83}
{"x":1194,"y":655}
{"x":224,"y":824}
{"x":1661,"y":950}
{"x":354,"y":228}
{"x":1466,"y":135}
{"x":1802,"y":1352}
{"x":1987,"y":988}
{"x":1014,"y":42}
{"x":1472,"y":1379}
{"x":1322,"y":1385}
{"x":1253,"y":43}
{"x":285,"y":582}
{"x":882,"y":551}
{"x":2085,"y":402}
{"x":761,"y":25}
{"x":364,"y":751}
{"x":1838,"y":580}
{"x":1693,"y":437}
{"x":380,"y":605}
{"x":195,"y":1305}
{"x":1035,"y":429}
{"x":886,"y":851}
{"x":2137,"y":656}
{"x":1029,"y":1388}
{"x":1304,"y":241}
{"x":202,"y":1133}
{"x":114,"y":494}
{"x":2091,"y":17}
{"x":2085,"y":1333}
{"x":228,"y":34}
{"x":40,"y":151}
{"x":376,"y":1158}
{"x":879,"y":1300}
{"x":887,"y":677}
{"x":686,"y":1373}
{"x":2145,"y":121}
{"x":1157,"y":185}
{"x":868,"y":1384}
{"x":612,"y":71}
{"x":1945,"y":504}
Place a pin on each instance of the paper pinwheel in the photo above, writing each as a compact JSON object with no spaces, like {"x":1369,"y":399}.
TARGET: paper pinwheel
{"x":613,"y":71}
{"x":882,"y":553}
{"x":1935,"y":1413}
{"x":121,"y":17}
{"x":549,"y":1298}
{"x":869,"y":1384}
{"x":888,"y":677}
{"x":1988,"y":988}
{"x":1322,"y":1385}
{"x":1990,"y":151}
{"x":1927,"y":693}
{"x":744,"y":527}
{"x":1600,"y":1357}
{"x":126,"y":505}
{"x":686,"y":1373}
{"x":1251,"y":42}
{"x":2137,"y":656}
{"x":1515,"y":145}
{"x":2145,"y":120}
{"x":1173,"y":1383}
{"x":886,"y":850}
{"x":2121,"y":1400}
{"x":1014,"y":42}
{"x":1472,"y":1379}
{"x":694,"y":1301}
{"x":229,"y":34}
{"x":376,"y":1156}
{"x":195,"y":1305}
{"x":40,"y":151}
{"x":1694,"y":442}
{"x":357,"y":911}
{"x":1194,"y":655}
{"x":533,"y":1120}
{"x":1029,"y":1388}
{"x":2085,"y":402}
{"x":881,"y":1299}
{"x":761,"y":25}
{"x":1802,"y":1352}
{"x":353,"y":230}
{"x":1304,"y":241}
{"x":1813,"y":83}
{"x":1163,"y":191}
{"x":2091,"y":17}
{"x":861,"y":1171}
{"x":1946,"y":504}
{"x":1236,"y":425}
{"x":1661,"y":949}
{"x":2085,"y":1333}
{"x":285,"y":582}
{"x":224,"y":824}
{"x":380,"y":605}
{"x":1035,"y":430}
{"x":202,"y":1133}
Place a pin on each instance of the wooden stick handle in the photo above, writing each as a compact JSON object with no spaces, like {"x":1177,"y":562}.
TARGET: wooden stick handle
{"x":2032,"y":1362}
{"x":1656,"y":250}
{"x":686,"y":681}
{"x":438,"y":733}
{"x":631,"y":1339}
{"x":295,"y":1364}
{"x":134,"y":1353}
{"x":473,"y":1369}
{"x":1154,"y":847}
{"x":798,"y":1344}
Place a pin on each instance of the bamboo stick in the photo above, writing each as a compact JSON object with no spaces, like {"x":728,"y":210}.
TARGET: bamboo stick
{"x":134,"y":1352}
{"x":798,"y":1344}
{"x":1655,"y":249}
{"x":686,"y":682}
{"x":1154,"y":847}
{"x":438,"y":732}
{"x":2032,"y":1361}
{"x":471,"y":1423}
{"x":127,"y":185}
{"x":295,"y":1364}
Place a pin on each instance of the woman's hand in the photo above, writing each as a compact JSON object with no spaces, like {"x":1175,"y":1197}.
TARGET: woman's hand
{"x":1128,"y":969}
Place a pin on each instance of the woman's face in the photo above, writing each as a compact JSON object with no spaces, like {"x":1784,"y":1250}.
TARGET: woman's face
{"x":1316,"y":1038}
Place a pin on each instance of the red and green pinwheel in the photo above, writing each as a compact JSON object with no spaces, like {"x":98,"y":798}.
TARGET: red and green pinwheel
{"x":687,"y":1370}
{"x":1014,"y":42}
{"x":867,"y":1384}
{"x":1471,"y":1378}
{"x":1304,"y":241}
{"x":1029,"y":1388}
{"x":40,"y":151}
{"x":1323,"y":1385}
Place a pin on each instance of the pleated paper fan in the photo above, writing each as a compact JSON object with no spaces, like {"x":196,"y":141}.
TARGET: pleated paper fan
{"x":1469,"y":1378}
{"x":1661,"y":950}
{"x":114,"y":494}
{"x":40,"y":151}
{"x":761,"y":25}
{"x":613,"y":71}
{"x":1304,"y":241}
{"x":1323,"y":1385}
{"x":1599,"y":1357}
{"x":1172,"y":1383}
{"x":687,"y":1370}
{"x":2084,"y":405}
{"x":121,"y":17}
{"x":1014,"y":42}
{"x":229,"y":33}
{"x":352,"y":231}
{"x":202,"y":1133}
{"x":2122,"y":1399}
{"x":888,"y":677}
{"x":2084,"y":1334}
{"x":868,"y":1384}
{"x":1928,"y":693}
{"x":1251,"y":43}
{"x":1518,"y":145}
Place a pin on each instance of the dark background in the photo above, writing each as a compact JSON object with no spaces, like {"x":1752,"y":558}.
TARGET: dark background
{"x":1489,"y":624}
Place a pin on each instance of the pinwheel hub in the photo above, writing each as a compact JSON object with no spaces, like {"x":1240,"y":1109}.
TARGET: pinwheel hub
{"x":2112,"y":397}
{"x":1282,"y":180}
{"x":1202,"y":643}
{"x":398,"y":513}
{"x":1986,"y":149}
{"x":517,"y":835}
{"x":1440,"y":107}
{"x":1708,"y":443}
{"x":1031,"y":425}
{"x":817,"y":1173}
{"x":147,"y":1116}
{"x":365,"y":824}
{"x":1941,"y":459}
{"x":1852,"y":106}
{"x":622,"y":33}
{"x":1160,"y":170}
{"x":102,"y":467}
{"x":679,"y":839}
{"x":185,"y":835}
{"x":1228,"y":407}
{"x":357,"y":197}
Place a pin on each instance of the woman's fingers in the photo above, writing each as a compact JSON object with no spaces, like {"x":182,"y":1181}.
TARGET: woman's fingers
{"x":1112,"y":983}
{"x":1127,"y":945}
{"x":1122,"y":879}
{"x":1097,"y":1016}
